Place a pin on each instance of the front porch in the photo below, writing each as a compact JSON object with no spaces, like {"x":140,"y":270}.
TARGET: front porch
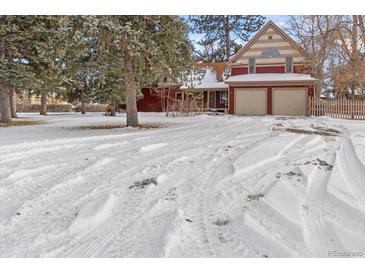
{"x":208,"y":100}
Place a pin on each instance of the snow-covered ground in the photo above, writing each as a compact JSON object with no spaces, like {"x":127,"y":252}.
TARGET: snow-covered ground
{"x":203,"y":186}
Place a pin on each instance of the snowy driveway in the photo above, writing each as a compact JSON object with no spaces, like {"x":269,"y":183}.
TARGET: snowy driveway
{"x":204,"y":186}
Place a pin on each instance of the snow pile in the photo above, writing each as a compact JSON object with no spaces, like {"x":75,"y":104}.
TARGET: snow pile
{"x":207,"y":81}
{"x":271,"y":77}
{"x":204,"y":186}
{"x":94,"y":213}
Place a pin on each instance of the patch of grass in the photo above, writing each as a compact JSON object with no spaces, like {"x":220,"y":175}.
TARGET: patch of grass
{"x":148,"y":126}
{"x":283,"y":118}
{"x":311,"y":132}
{"x":143,"y":183}
{"x":21,"y":123}
{"x":326,"y":129}
{"x":255,"y":196}
{"x":108,"y":126}
{"x":292,"y":173}
{"x":102,"y":126}
{"x":221,"y":222}
{"x":317,"y":130}
{"x":323,"y":163}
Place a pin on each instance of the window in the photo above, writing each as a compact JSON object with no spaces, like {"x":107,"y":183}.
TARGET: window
{"x":251,"y":65}
{"x":178,"y":96}
{"x":270,"y":52}
{"x":223,"y":97}
{"x":289,"y":64}
{"x":269,"y":37}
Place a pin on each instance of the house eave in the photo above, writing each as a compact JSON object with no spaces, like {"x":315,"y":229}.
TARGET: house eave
{"x":269,"y":83}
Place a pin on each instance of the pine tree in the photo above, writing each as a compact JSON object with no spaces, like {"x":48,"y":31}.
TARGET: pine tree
{"x":223,"y":35}
{"x":146,"y":48}
{"x":46,"y":51}
{"x":80,"y":67}
{"x":14,"y":72}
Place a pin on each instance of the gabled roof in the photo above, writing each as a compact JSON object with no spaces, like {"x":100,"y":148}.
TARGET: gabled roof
{"x":268,"y":25}
{"x":212,"y":77}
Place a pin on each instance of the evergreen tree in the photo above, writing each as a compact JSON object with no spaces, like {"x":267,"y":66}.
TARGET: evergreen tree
{"x":14,"y":71}
{"x":145,"y":48}
{"x":47,"y":43}
{"x":104,"y":57}
{"x":80,"y":66}
{"x":223,"y":35}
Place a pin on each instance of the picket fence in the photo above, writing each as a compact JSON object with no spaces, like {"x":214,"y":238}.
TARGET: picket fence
{"x":337,"y":108}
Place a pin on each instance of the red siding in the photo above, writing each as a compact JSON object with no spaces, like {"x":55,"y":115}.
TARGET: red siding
{"x":151,"y":101}
{"x":271,"y":69}
{"x":239,"y":71}
{"x":218,"y":103}
{"x":269,"y":101}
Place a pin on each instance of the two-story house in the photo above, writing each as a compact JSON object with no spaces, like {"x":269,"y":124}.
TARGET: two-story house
{"x":270,"y":75}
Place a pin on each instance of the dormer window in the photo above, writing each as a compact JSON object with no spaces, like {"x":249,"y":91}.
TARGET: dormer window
{"x":289,"y":64}
{"x":270,"y":53}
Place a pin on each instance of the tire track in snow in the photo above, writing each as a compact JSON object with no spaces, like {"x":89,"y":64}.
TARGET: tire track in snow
{"x":287,"y":154}
{"x":352,"y":169}
{"x":89,"y":249}
{"x":318,"y":235}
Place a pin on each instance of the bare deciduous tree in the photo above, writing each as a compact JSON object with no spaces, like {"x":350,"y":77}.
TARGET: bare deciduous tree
{"x":350,"y":42}
{"x":316,"y":35}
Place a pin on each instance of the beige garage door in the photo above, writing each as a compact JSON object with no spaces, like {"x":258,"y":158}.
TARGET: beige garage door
{"x":290,"y":101}
{"x":250,"y":101}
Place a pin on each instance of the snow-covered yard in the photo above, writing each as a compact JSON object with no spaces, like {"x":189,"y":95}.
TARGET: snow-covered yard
{"x":203,"y":186}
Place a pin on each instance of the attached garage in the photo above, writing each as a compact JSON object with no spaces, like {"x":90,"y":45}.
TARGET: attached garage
{"x":250,"y":101}
{"x":270,"y":93}
{"x":289,"y":101}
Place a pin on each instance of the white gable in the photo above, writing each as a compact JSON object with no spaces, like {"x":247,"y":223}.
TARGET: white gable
{"x":270,"y":40}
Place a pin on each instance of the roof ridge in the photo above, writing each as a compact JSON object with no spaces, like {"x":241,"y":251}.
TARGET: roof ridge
{"x":270,"y":23}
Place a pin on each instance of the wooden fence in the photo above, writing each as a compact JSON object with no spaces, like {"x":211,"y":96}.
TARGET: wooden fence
{"x":50,"y":107}
{"x":337,"y":108}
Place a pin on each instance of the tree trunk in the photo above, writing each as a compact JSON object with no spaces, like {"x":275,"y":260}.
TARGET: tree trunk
{"x":113,"y":110}
{"x":5,"y":112}
{"x":227,"y":37}
{"x":83,"y":105}
{"x":354,"y":53}
{"x":13,"y":103}
{"x":130,"y":88}
{"x":43,"y":110}
{"x":4,"y":105}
